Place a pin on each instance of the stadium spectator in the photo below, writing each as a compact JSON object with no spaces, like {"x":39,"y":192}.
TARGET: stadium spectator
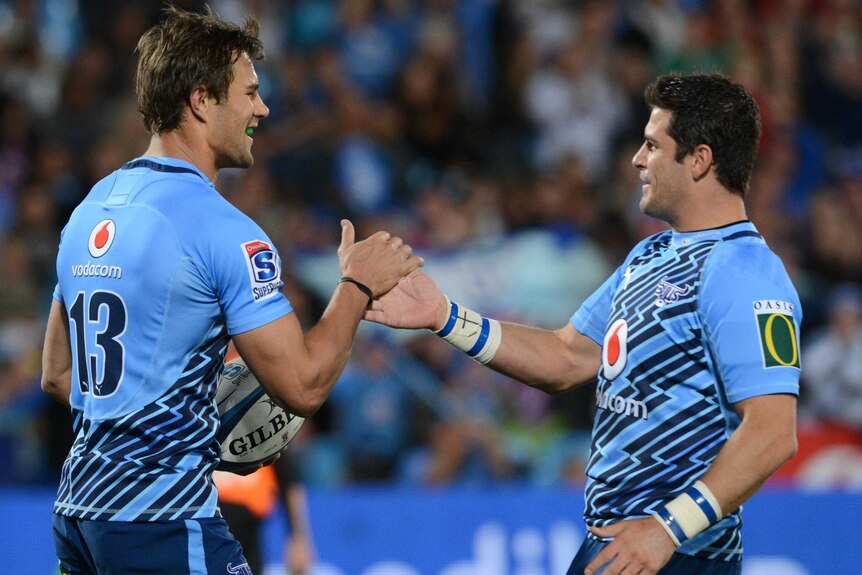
{"x":833,"y":362}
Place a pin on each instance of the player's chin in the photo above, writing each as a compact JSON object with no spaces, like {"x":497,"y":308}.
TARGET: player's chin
{"x":239,"y":160}
{"x":244,"y":161}
{"x":644,"y":204}
{"x":246,"y":158}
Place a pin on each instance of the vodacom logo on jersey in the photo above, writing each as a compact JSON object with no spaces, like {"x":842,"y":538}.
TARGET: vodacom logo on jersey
{"x":615,"y":349}
{"x":101,"y":238}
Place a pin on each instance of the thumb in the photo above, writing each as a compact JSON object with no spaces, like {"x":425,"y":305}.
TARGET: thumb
{"x":348,"y":234}
{"x":607,"y":531}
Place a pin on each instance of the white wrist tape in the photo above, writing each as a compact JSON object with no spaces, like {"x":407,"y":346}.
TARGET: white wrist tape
{"x":690,"y":513}
{"x":477,"y":336}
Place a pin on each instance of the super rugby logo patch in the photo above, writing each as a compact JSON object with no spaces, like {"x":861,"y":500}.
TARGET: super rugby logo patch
{"x":264,"y":269}
{"x":779,"y":344}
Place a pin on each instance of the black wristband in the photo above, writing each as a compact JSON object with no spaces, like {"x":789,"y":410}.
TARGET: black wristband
{"x":362,"y":287}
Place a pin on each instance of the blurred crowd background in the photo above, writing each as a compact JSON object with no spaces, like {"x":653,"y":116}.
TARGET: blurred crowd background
{"x":495,"y":136}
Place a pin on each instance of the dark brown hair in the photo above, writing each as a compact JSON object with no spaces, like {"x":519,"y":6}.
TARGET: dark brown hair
{"x":183,"y":52}
{"x":710,"y":109}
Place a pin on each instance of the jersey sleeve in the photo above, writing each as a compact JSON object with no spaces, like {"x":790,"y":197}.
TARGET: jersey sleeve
{"x":752,"y":318}
{"x":591,"y":319}
{"x":245,"y":269}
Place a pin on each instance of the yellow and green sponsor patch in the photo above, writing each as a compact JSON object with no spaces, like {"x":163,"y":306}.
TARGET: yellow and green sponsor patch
{"x":778,"y":334}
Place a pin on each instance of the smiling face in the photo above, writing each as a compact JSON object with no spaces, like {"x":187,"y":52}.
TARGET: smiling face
{"x":666,"y":182}
{"x":242,"y":109}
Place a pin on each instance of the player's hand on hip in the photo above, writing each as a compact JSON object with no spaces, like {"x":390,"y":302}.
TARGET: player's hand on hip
{"x":639,"y":546}
{"x":378,"y":261}
{"x":415,"y":302}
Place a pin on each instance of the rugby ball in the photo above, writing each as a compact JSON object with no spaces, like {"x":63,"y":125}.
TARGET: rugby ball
{"x":253,"y":428}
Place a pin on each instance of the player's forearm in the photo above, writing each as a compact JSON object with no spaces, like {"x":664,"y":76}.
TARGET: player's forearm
{"x":299,"y":370}
{"x":328,"y":346}
{"x":763,"y":442}
{"x":542,"y":359}
{"x":552,"y":361}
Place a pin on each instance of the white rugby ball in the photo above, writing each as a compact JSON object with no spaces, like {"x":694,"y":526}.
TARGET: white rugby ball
{"x":253,"y":427}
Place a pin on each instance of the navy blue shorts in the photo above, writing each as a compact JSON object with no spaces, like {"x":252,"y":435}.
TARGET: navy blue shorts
{"x":679,"y":564}
{"x":191,"y":546}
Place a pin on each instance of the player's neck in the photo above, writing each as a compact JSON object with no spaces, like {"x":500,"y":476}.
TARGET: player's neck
{"x":720,"y":211}
{"x":175,"y":144}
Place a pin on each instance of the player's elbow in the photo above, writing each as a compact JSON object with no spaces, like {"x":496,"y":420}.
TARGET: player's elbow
{"x":564,"y":378}
{"x":303,"y":407}
{"x":788,"y":448}
{"x":558,"y":385}
{"x":781,"y":448}
{"x":56,"y":386}
{"x":301,"y":400}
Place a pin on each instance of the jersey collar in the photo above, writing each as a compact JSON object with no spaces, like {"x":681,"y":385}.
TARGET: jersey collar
{"x":166,"y":164}
{"x":732,"y":231}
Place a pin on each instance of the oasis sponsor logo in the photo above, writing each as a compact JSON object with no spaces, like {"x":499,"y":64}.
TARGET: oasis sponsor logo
{"x":779,"y":344}
{"x":264,"y":269}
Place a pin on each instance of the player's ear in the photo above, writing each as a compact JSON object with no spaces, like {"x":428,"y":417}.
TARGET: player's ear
{"x":702,"y":156}
{"x":200,"y":102}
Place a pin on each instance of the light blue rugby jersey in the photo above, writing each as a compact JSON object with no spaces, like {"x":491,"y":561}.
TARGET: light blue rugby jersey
{"x":156,"y":270}
{"x":690,"y":324}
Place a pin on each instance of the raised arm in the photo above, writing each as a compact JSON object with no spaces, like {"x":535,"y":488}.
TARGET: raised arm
{"x":299,"y":370}
{"x":550,"y":360}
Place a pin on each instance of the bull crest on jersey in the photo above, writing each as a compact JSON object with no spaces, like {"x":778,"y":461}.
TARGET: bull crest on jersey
{"x":666,"y":293}
{"x":615,"y":349}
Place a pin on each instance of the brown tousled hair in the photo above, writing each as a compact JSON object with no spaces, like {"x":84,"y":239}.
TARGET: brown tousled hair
{"x":184,"y":51}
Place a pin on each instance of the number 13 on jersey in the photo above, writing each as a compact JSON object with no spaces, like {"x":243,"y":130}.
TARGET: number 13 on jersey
{"x":97,"y":322}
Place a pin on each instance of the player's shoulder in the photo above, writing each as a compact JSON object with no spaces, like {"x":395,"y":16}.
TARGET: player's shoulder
{"x":747,"y":257}
{"x":747,"y":267}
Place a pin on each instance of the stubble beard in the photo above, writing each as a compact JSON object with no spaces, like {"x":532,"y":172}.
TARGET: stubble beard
{"x":240,"y":158}
{"x":650,"y":206}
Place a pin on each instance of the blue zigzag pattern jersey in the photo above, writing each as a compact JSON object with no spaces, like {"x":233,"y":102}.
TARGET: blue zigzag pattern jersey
{"x":690,"y":324}
{"x":156,"y":270}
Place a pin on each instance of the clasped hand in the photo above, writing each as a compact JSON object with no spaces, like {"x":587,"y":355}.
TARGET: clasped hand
{"x":379,"y":261}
